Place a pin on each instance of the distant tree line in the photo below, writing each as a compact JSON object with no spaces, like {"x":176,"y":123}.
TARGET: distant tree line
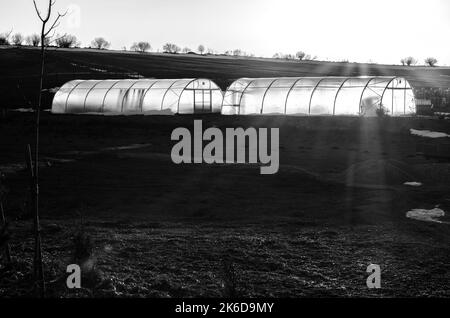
{"x":70,"y":41}
{"x":100,"y":43}
{"x":300,"y":55}
{"x":17,"y":39}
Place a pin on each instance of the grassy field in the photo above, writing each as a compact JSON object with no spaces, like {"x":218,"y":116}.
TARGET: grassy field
{"x":157,"y":229}
{"x":20,"y":66}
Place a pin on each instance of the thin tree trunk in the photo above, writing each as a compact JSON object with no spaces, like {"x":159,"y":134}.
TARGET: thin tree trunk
{"x":7,"y":248}
{"x":38,"y":263}
{"x":38,"y":270}
{"x":39,"y":267}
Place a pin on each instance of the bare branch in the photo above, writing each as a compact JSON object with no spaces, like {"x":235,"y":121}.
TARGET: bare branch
{"x":49,"y":11}
{"x":49,"y":37}
{"x":37,"y":11}
{"x":56,"y":39}
{"x":51,"y":3}
{"x":55,"y":23}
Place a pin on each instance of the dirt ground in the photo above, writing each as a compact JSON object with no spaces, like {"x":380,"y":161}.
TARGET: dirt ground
{"x":157,"y":229}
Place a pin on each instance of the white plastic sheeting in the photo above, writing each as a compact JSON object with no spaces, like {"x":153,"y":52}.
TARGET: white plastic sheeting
{"x":319,"y":96}
{"x":180,"y":96}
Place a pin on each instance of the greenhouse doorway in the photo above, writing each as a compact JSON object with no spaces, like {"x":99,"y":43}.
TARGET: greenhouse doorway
{"x":202,"y":101}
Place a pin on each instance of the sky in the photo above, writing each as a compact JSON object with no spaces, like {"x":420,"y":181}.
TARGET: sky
{"x":380,"y":31}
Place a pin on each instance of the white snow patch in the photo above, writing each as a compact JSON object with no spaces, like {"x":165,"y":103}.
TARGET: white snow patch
{"x":428,"y":133}
{"x":426,"y":215}
{"x":413,"y":183}
{"x":129,"y":147}
{"x":27,"y":110}
{"x":98,"y":70}
{"x":50,"y":160}
{"x":94,"y":152}
{"x":23,"y":110}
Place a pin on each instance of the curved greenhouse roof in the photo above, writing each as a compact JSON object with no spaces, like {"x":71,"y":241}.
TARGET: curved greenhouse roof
{"x":183,"y":96}
{"x":319,"y":96}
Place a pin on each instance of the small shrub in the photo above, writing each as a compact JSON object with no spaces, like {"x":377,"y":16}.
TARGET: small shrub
{"x":382,"y":112}
{"x":4,"y":38}
{"x":67,"y":41}
{"x":83,"y":255}
{"x":17,"y":39}
{"x":83,"y":247}
{"x":33,"y":40}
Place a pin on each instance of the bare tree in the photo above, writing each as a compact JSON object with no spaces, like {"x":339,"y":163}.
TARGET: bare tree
{"x":431,"y":61}
{"x":186,"y":50}
{"x":66,"y":41}
{"x":141,"y":47}
{"x":408,"y":61}
{"x":201,"y":49}
{"x":33,"y":40}
{"x":45,"y":33}
{"x":300,"y":55}
{"x":237,"y":52}
{"x":4,"y":38}
{"x":171,"y":48}
{"x":100,"y":43}
{"x":17,"y":39}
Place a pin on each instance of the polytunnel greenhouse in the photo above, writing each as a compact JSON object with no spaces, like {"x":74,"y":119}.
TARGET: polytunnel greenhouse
{"x":319,"y":96}
{"x":180,"y":96}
